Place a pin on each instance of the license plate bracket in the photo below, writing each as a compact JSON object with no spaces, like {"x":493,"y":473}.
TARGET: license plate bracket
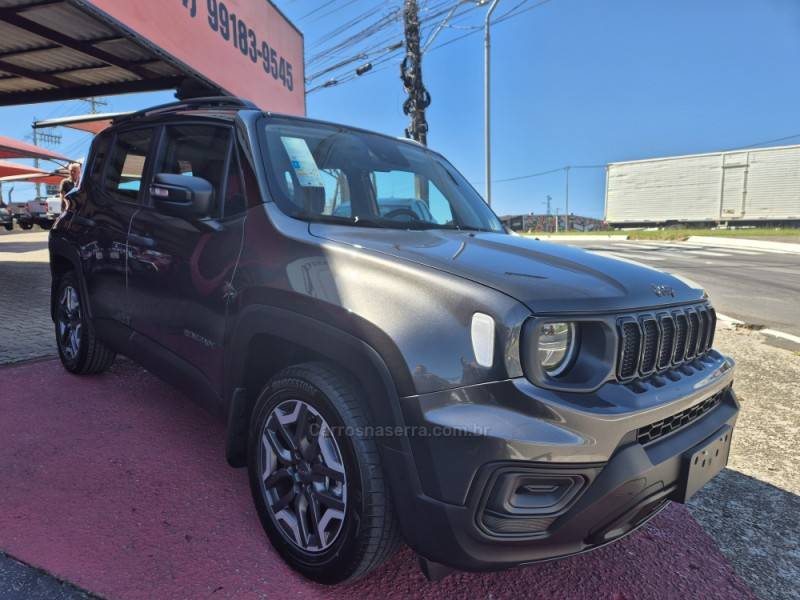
{"x":703,"y":462}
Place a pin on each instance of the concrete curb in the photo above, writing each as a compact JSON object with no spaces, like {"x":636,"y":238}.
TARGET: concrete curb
{"x":578,"y":238}
{"x":744,"y":243}
{"x":730,"y":321}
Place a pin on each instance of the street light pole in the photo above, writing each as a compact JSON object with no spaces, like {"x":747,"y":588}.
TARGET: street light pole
{"x":487,"y":98}
{"x":566,"y":215}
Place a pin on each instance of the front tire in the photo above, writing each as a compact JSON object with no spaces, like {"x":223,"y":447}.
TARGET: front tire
{"x":8,"y":226}
{"x":316,"y":476}
{"x":78,"y":348}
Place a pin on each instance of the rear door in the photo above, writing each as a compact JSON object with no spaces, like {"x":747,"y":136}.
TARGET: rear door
{"x":108,"y":200}
{"x":181,"y":268}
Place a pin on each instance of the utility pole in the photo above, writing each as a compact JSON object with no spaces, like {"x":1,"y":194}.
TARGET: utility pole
{"x":566,"y":215}
{"x":487,"y":97}
{"x":411,"y":73}
{"x":555,"y":228}
{"x":36,"y":160}
{"x":94,"y":103}
{"x":43,"y":137}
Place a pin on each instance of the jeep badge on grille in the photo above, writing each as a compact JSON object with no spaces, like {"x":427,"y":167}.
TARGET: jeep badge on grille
{"x":662,"y":290}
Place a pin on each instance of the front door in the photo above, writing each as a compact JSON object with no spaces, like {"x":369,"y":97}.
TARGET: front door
{"x":181,"y":268}
{"x":106,"y":204}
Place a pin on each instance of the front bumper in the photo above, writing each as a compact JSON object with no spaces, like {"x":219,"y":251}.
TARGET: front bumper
{"x":596,"y":474}
{"x":47,"y":218}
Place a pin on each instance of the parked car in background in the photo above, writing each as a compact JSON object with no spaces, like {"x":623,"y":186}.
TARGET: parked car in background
{"x":6,"y":218}
{"x":42,"y":212}
{"x":387,"y":372}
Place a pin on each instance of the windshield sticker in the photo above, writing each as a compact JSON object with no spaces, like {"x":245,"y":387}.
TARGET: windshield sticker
{"x":302,"y":162}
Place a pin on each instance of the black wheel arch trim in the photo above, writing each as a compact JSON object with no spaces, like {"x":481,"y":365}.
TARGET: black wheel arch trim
{"x":352,"y":354}
{"x":60,"y":248}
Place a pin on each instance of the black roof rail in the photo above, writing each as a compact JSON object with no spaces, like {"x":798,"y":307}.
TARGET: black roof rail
{"x":189,"y":104}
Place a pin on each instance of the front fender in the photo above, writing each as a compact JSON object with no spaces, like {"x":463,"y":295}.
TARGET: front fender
{"x":62,"y":251}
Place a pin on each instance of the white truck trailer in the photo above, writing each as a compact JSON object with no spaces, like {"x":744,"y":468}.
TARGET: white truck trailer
{"x":759,"y":185}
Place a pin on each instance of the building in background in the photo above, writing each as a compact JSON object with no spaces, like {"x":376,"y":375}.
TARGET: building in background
{"x":755,"y":186}
{"x":532,"y":223}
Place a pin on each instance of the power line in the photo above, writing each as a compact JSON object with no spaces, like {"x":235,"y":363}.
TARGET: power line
{"x":317,"y":9}
{"x":438,"y":11}
{"x":775,"y":141}
{"x":429,"y":12}
{"x":356,"y":38}
{"x":432,"y":12}
{"x":542,"y":173}
{"x":333,"y":10}
{"x":497,"y":21}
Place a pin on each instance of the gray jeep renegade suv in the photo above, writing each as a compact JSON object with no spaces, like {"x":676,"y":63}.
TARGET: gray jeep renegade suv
{"x":392,"y":364}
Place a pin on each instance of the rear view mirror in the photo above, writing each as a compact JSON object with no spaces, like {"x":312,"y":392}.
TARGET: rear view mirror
{"x":181,"y":195}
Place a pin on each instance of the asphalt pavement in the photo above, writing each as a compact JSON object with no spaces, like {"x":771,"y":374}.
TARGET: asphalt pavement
{"x":758,"y":286}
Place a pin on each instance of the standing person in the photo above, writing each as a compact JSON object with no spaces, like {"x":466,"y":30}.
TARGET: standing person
{"x":70,"y":183}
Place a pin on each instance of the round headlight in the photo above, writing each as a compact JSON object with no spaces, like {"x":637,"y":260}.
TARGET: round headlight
{"x":556,"y":347}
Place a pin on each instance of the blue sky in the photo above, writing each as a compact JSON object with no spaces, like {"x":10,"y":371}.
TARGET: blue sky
{"x":575,"y":82}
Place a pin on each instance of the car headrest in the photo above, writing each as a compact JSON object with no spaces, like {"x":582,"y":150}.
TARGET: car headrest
{"x":314,"y":200}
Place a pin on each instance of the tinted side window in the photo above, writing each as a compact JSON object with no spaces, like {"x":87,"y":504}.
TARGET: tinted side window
{"x":100,"y":148}
{"x":126,"y":165}
{"x":196,"y":151}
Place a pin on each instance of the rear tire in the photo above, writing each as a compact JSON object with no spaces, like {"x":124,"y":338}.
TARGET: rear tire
{"x":8,"y":226}
{"x":79,"y":349}
{"x":26,"y":226}
{"x":337,"y":470}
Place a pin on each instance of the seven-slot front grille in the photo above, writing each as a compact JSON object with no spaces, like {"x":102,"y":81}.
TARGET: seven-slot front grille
{"x":659,"y":340}
{"x":657,"y":430}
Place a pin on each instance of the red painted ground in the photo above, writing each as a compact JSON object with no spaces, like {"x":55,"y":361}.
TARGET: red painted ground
{"x":118,"y":484}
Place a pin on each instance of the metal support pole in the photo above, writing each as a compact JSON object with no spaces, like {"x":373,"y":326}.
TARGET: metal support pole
{"x":487,"y":100}
{"x":566,"y":215}
{"x":36,"y":160}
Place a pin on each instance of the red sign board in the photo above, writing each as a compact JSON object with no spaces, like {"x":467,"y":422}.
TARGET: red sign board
{"x":246,"y":47}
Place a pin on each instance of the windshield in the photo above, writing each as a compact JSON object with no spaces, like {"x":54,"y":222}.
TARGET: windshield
{"x":334,"y":174}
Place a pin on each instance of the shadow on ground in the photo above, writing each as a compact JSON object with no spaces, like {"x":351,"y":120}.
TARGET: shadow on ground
{"x":757,"y":526}
{"x":20,"y":247}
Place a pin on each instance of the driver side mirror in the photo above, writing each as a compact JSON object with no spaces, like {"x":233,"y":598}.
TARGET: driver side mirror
{"x":182,"y":196}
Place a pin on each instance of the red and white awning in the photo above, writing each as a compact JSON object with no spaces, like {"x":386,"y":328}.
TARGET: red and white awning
{"x":10,"y":148}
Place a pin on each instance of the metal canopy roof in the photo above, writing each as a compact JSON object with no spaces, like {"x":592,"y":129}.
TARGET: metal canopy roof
{"x":94,"y":123}
{"x":15,"y":149}
{"x":55,"y":50}
{"x":46,"y":178}
{"x":8,"y":169}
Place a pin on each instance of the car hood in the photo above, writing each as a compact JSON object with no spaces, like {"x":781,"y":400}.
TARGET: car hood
{"x":546,"y":277}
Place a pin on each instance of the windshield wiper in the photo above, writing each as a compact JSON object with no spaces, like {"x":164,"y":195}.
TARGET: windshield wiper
{"x":336,"y":220}
{"x":471,"y":228}
{"x":359,"y":221}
